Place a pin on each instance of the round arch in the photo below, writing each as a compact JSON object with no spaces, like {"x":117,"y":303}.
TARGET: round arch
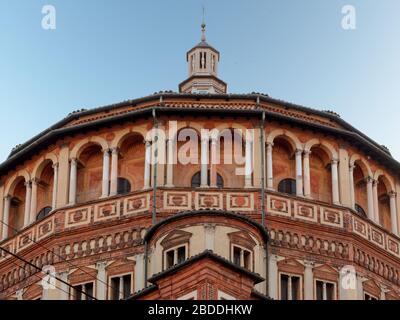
{"x":356,"y":159}
{"x":289,"y":136}
{"x":385,"y":179}
{"x":124,"y":134}
{"x":14,"y":180}
{"x":42,"y":163}
{"x":326,"y":146}
{"x":77,"y":150}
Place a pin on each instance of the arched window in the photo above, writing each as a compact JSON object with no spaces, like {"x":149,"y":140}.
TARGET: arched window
{"x":124,"y":186}
{"x":43,"y":213}
{"x":360,"y":211}
{"x":196,"y":180}
{"x":287,"y":186}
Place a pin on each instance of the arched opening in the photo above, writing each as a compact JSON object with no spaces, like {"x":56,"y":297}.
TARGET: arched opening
{"x":360,"y":175}
{"x":384,"y":203}
{"x":320,"y":175}
{"x":90,"y":174}
{"x":44,"y":212}
{"x":284,"y":163}
{"x":287,"y":186}
{"x":360,"y":210}
{"x":188,"y":153}
{"x":17,"y":207}
{"x":196,"y":180}
{"x":45,"y":187}
{"x":123,"y":186}
{"x":230,"y":156}
{"x":131,"y":164}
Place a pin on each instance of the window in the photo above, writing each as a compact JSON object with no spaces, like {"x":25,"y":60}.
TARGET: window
{"x":324,"y":290}
{"x":123,"y":186}
{"x":360,"y":211}
{"x":242,"y":257}
{"x":287,"y":186}
{"x":189,"y":296}
{"x":289,"y":287}
{"x":121,"y":287}
{"x":175,"y":256}
{"x":43,"y":213}
{"x":224,"y":296}
{"x":78,"y":291}
{"x":367,"y":296}
{"x":196,"y":180}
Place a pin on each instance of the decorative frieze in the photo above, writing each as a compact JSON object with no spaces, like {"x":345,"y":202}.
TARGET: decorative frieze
{"x":137,"y":204}
{"x":240,"y":201}
{"x":177,"y":200}
{"x":209,"y":200}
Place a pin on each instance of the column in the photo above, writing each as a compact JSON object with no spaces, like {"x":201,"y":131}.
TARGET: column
{"x":213,"y":162}
{"x":105,"y":190}
{"x":289,"y":294}
{"x":393,"y":212}
{"x":101,"y":287}
{"x":299,"y":173}
{"x":241,"y":258}
{"x":370,"y":196}
{"x":308,"y":280}
{"x":139,"y":272}
{"x":33,"y":210}
{"x":170,"y":163}
{"x":335,"y":182}
{"x":209,"y":236}
{"x":307,"y":179}
{"x":273,"y":276}
{"x":147,"y":164}
{"x":28,"y":197}
{"x":72,"y":181}
{"x":376,"y":201}
{"x":63,"y":176}
{"x":270,"y":178}
{"x":360,"y":287}
{"x":248,"y":169}
{"x":351,"y":186}
{"x":324,"y":290}
{"x":204,"y":162}
{"x":55,"y":187}
{"x":6,"y":216}
{"x":63,"y":288}
{"x":114,"y":172}
{"x":121,"y":288}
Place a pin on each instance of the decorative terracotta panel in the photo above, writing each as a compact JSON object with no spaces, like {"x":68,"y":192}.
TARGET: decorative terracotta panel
{"x":331,"y":217}
{"x":377,"y":237}
{"x":177,"y":200}
{"x":238,"y":201}
{"x":25,"y":239}
{"x":137,"y":204}
{"x":393,"y":246}
{"x":77,"y":217}
{"x":45,"y":228}
{"x":360,"y":227}
{"x":209,"y":200}
{"x":279,"y":206}
{"x":10,"y":246}
{"x":305,"y":211}
{"x":106,"y":211}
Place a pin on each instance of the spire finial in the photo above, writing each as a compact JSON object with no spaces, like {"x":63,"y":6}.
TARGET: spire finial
{"x":203,"y":27}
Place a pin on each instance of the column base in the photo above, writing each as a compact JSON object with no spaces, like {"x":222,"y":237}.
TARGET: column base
{"x":169,"y":186}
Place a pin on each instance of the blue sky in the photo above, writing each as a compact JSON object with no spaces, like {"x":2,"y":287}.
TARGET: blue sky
{"x":104,"y":52}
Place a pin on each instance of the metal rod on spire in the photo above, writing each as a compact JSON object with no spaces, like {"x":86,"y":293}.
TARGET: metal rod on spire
{"x":203,"y":27}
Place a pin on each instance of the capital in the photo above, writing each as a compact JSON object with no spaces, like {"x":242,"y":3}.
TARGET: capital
{"x":392,"y":194}
{"x":299,"y":152}
{"x":114,"y":150}
{"x":335,"y":161}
